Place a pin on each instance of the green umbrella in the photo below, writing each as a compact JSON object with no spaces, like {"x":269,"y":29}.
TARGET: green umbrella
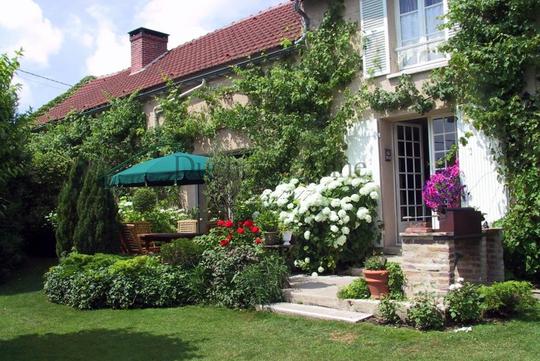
{"x":174,"y":169}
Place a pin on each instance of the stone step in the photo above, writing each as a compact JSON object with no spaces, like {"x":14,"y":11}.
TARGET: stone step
{"x":302,"y":297}
{"x":317,"y":312}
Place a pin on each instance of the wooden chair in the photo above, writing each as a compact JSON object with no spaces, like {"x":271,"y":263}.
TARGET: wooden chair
{"x":131,"y":242}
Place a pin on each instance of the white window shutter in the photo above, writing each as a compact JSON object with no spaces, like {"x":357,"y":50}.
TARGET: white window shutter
{"x":374,"y":27}
{"x":486,"y":191}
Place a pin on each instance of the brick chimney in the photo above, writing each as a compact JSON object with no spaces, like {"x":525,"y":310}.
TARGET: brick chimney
{"x":146,"y":46}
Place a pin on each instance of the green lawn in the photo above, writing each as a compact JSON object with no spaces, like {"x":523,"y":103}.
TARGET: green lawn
{"x":33,"y":329}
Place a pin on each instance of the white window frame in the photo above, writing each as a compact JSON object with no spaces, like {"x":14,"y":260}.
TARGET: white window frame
{"x":423,"y":36}
{"x":431,"y":136}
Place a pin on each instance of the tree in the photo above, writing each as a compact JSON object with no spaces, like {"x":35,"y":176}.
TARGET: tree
{"x":67,"y":208}
{"x":13,"y":134}
{"x":97,"y":228}
{"x":223,"y":184}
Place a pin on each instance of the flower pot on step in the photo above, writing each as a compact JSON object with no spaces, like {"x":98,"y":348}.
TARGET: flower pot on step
{"x":461,"y":221}
{"x":377,"y":282}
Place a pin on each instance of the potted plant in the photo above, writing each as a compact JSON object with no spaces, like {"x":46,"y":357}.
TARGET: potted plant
{"x":268,"y":221}
{"x":376,"y":276}
{"x":443,"y":193}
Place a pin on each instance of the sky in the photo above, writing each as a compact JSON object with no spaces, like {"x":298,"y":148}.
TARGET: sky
{"x":66,"y":40}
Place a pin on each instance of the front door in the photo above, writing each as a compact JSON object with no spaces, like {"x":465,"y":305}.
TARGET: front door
{"x":409,"y":170}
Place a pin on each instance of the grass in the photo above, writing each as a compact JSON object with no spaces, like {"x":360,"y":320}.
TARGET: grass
{"x":31,"y":328}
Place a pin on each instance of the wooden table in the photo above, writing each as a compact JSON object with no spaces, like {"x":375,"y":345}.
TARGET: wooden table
{"x":148,"y":238}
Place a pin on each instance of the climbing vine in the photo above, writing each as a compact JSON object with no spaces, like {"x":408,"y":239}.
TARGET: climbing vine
{"x":494,"y":52}
{"x":492,"y":69}
{"x":294,"y":124}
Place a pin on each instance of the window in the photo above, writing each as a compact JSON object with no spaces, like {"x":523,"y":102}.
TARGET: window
{"x":444,"y":132}
{"x":418,"y":31}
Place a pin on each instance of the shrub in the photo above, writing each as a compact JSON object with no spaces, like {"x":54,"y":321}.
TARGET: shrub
{"x":67,"y":208}
{"x":97,"y":227}
{"x":424,"y":313}
{"x":181,"y":252}
{"x":356,"y":289}
{"x":506,"y":298}
{"x":89,"y":282}
{"x":243,"y":276}
{"x":463,"y":303}
{"x":334,"y":219}
{"x":11,"y":252}
{"x":144,"y":282}
{"x":144,"y":200}
{"x":388,"y":311}
{"x":396,"y":281}
{"x":375,"y":263}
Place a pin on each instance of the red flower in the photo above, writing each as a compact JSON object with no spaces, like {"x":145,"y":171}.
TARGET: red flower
{"x":254,"y":229}
{"x":258,"y":240}
{"x":229,"y":237}
{"x":224,"y":242}
{"x":240,"y":230}
{"x":228,"y":223}
{"x":220,"y":223}
{"x":248,"y":223}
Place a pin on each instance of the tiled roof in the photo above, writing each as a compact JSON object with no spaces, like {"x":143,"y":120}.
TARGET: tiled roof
{"x":259,"y":33}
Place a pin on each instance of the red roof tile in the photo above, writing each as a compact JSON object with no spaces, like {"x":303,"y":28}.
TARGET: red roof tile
{"x":253,"y":35}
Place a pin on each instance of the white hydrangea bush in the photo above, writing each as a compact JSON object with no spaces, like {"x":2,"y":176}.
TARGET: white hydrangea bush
{"x":333,"y":220}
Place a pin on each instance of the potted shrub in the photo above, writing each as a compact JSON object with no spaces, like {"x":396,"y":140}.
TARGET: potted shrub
{"x":268,"y":222}
{"x":442,"y":193}
{"x":376,"y":276}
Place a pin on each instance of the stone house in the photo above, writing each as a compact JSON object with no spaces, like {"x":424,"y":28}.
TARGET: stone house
{"x":400,"y":148}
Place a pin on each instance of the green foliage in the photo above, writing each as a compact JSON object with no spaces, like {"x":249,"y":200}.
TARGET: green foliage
{"x":13,"y":164}
{"x":223,"y":181}
{"x":492,"y":55}
{"x":506,"y":298}
{"x":375,"y":263}
{"x":388,"y":311}
{"x":67,"y":208}
{"x":268,"y":220}
{"x":243,"y":276}
{"x":405,"y":96}
{"x":11,"y":254}
{"x":162,"y":217}
{"x":463,"y":304}
{"x":90,"y":282}
{"x":144,"y":282}
{"x":144,"y":200}
{"x":396,"y":281}
{"x":97,"y":229}
{"x":181,"y":252}
{"x":60,"y":98}
{"x":424,"y":314}
{"x":357,"y":289}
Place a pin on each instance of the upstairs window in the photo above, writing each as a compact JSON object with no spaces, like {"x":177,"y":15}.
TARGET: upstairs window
{"x":418,"y":31}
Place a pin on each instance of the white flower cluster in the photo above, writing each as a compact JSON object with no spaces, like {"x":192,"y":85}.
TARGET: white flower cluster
{"x":339,"y":202}
{"x":457,"y":285}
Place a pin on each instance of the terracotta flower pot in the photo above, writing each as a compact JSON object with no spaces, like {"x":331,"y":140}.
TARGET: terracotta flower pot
{"x":377,"y":282}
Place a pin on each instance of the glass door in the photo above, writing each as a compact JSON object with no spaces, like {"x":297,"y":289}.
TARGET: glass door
{"x":409,"y":171}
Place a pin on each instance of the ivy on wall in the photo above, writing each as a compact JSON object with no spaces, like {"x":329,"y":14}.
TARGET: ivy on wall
{"x":292,"y":121}
{"x":495,"y":51}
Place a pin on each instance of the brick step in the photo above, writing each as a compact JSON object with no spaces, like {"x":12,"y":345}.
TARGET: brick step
{"x":309,"y":298}
{"x":316,"y":312}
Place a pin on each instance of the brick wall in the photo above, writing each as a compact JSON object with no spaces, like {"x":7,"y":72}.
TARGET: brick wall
{"x":433,"y":261}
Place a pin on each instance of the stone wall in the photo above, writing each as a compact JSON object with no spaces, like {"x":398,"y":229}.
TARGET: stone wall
{"x":433,"y":261}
